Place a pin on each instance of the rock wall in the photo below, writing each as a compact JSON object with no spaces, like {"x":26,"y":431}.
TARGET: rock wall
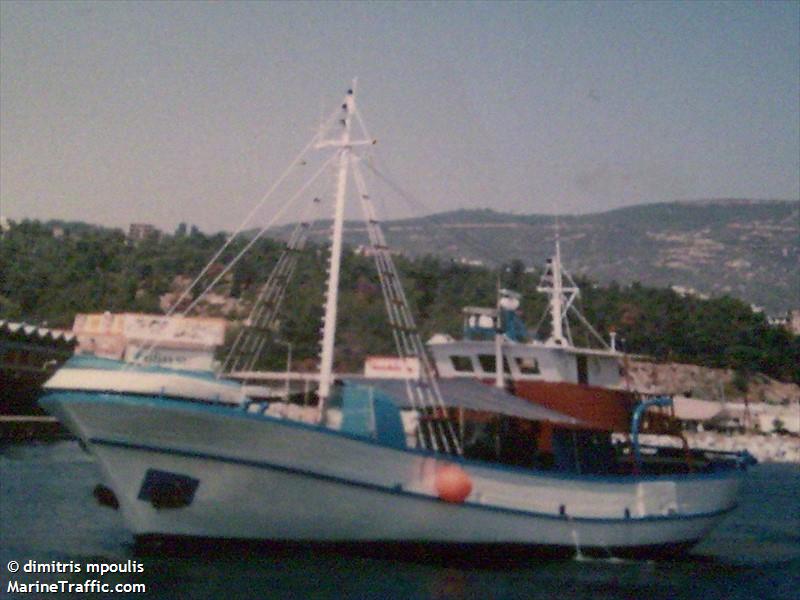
{"x":708,"y":384}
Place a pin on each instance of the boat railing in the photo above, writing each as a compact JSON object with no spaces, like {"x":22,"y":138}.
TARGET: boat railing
{"x":654,"y":459}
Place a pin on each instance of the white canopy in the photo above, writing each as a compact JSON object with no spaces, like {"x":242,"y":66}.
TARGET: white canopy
{"x":472,"y":395}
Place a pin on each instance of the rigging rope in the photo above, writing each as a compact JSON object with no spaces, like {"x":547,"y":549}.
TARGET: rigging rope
{"x":461,"y":238}
{"x":260,"y":234}
{"x":153,"y":345}
{"x":297,"y":160}
{"x":424,"y":393}
{"x":250,"y":341}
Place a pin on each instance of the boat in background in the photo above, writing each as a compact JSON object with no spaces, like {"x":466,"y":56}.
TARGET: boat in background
{"x":588,"y":383}
{"x":420,"y":460}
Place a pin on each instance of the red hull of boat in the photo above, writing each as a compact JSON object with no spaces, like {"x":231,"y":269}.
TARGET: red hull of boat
{"x":603,"y":408}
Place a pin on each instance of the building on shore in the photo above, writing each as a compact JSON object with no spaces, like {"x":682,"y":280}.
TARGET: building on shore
{"x":731,"y":417}
{"x":170,"y":341}
{"x":142,"y":231}
{"x":794,"y":321}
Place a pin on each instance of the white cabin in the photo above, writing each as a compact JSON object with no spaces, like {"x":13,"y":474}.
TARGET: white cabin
{"x":535,"y":361}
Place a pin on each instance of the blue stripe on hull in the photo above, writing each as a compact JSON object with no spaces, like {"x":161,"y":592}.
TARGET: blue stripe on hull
{"x":66,"y":397}
{"x":394,"y":490}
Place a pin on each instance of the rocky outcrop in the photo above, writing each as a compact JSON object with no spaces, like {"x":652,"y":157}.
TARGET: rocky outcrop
{"x":709,"y":384}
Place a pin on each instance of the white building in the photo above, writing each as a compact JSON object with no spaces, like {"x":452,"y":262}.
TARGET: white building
{"x":176,"y":341}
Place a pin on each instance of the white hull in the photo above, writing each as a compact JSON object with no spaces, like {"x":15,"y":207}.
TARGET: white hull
{"x":262,"y":478}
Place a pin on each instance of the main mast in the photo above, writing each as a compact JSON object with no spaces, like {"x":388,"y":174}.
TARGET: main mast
{"x":332,"y":294}
{"x":345,"y":146}
{"x":436,"y":432}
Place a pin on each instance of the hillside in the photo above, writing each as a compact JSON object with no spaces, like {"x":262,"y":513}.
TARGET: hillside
{"x":743,"y":248}
{"x":51,"y":271}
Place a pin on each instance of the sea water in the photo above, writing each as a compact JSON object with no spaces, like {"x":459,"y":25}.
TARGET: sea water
{"x":49,"y":517}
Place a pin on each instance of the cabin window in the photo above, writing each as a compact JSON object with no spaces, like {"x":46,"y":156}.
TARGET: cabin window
{"x":528,"y":365}
{"x":583,"y":372}
{"x":489,"y":365}
{"x":462,"y":364}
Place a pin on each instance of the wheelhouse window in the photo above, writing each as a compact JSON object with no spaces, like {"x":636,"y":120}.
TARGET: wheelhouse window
{"x":489,"y":365}
{"x":528,"y":365}
{"x":463,"y":364}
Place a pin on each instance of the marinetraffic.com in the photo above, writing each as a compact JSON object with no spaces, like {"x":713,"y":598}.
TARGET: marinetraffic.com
{"x":71,"y":567}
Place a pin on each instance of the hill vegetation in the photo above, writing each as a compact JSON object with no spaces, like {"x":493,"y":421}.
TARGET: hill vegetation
{"x":51,"y":271}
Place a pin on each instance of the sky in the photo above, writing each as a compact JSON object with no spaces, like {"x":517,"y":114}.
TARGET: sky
{"x":120,"y":112}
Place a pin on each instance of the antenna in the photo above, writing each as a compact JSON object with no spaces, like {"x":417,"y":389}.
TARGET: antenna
{"x":562,"y":298}
{"x":558,"y":231}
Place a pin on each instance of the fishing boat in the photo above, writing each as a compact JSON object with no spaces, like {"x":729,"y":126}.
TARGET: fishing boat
{"x":420,"y":460}
{"x":586,"y":382}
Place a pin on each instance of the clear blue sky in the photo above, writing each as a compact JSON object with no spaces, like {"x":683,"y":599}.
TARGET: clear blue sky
{"x":115,"y":112}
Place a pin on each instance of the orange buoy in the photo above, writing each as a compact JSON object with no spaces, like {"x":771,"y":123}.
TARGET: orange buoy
{"x":452,"y":483}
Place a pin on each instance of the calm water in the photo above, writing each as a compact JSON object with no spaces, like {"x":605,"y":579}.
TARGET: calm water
{"x":47,"y":513}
